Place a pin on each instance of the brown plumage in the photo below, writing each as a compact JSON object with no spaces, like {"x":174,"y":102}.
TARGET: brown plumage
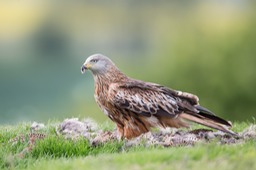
{"x":136,"y":106}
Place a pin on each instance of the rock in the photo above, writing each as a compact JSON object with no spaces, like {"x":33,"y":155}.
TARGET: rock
{"x":103,"y":137}
{"x":249,"y":132}
{"x":36,"y":126}
{"x":73,"y":128}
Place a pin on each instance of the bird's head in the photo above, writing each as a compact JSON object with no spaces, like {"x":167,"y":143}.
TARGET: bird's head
{"x":97,"y":63}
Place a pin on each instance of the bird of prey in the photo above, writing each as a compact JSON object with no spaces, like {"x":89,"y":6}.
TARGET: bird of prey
{"x":137,"y":106}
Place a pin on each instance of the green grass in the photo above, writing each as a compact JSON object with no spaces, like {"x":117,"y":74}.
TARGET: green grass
{"x":55,"y":152}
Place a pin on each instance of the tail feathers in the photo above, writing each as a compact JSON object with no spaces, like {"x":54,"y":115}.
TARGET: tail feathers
{"x":214,"y":118}
{"x":209,"y":121}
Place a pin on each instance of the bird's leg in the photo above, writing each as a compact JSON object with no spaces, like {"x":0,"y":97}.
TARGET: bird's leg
{"x":120,"y":130}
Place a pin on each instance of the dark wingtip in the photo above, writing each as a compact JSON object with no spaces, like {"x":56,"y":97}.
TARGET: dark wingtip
{"x":204,"y":110}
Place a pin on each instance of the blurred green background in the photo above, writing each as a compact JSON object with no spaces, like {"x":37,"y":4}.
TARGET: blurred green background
{"x":205,"y":47}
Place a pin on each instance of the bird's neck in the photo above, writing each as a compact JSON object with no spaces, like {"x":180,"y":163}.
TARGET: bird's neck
{"x":113,"y":75}
{"x":102,"y":81}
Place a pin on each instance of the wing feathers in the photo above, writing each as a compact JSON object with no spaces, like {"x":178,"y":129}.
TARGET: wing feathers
{"x":148,"y":99}
{"x":143,"y":101}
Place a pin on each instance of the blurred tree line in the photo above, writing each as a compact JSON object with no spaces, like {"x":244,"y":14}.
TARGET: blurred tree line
{"x":203,"y":47}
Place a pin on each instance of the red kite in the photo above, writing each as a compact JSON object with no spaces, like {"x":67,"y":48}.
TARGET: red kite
{"x":137,"y":106}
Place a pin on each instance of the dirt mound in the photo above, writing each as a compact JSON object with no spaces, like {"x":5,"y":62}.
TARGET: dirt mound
{"x":73,"y":128}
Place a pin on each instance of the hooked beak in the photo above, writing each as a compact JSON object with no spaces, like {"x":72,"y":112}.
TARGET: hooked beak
{"x":83,"y":69}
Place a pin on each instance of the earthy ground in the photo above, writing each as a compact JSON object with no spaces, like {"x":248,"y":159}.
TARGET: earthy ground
{"x":26,"y":145}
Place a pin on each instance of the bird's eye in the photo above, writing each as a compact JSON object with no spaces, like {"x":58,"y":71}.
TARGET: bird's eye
{"x":94,"y":60}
